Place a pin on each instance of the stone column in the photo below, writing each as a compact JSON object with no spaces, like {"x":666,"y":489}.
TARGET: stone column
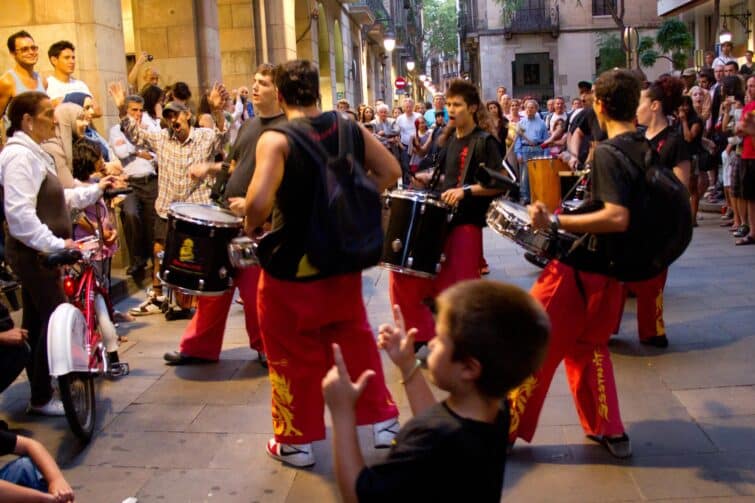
{"x":94,"y":27}
{"x":280,"y":26}
{"x":237,"y":50}
{"x":182,"y":35}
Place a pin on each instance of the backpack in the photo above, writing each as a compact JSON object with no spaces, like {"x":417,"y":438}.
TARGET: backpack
{"x":344,"y":232}
{"x":660,"y":226}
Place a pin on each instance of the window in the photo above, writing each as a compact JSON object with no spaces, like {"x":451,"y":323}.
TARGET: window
{"x":603,"y":7}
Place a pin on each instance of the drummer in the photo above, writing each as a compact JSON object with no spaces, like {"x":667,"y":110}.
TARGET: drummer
{"x":202,"y":339}
{"x":467,"y":147}
{"x":530,"y":136}
{"x":177,"y":148}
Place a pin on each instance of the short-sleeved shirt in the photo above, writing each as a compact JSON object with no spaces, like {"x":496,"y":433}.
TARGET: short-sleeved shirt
{"x":695,"y":146}
{"x":471,"y":210}
{"x":671,"y":147}
{"x":748,"y":149}
{"x":58,"y":90}
{"x":7,"y":442}
{"x":440,"y":456}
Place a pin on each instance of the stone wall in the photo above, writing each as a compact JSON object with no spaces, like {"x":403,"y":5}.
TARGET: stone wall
{"x":237,"y":50}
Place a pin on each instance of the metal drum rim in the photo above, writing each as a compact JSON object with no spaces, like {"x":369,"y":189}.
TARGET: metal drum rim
{"x":189,"y":291}
{"x":404,"y":270}
{"x":417,"y":197}
{"x":207,"y":223}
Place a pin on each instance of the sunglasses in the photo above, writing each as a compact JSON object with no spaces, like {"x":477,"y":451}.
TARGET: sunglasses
{"x":28,"y":48}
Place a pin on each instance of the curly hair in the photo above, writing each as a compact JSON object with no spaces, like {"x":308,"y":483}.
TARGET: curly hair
{"x":668,"y":90}
{"x":618,"y":91}
{"x":298,"y":82}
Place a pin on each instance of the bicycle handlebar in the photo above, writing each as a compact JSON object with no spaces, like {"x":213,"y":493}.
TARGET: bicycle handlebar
{"x":111,"y":193}
{"x":66,"y":256}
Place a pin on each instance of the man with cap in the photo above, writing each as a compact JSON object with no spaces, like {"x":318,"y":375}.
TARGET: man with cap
{"x":725,"y":55}
{"x":177,"y":147}
{"x":689,"y":77}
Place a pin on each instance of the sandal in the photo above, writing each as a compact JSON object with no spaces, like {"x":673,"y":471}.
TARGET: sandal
{"x":747,"y":240}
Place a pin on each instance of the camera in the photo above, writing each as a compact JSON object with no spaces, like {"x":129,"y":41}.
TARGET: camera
{"x":150,"y":57}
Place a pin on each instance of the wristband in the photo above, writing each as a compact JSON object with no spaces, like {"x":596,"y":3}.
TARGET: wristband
{"x":467,"y":191}
{"x":417,"y":365}
{"x":555,"y":223}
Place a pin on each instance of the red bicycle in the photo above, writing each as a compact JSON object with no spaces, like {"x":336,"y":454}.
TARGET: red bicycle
{"x":81,"y":338}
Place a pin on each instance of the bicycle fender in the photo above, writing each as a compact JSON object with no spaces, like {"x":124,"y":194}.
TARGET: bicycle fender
{"x":66,"y":339}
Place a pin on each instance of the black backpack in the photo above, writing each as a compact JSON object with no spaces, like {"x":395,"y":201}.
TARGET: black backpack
{"x":344,"y":232}
{"x":660,"y":226}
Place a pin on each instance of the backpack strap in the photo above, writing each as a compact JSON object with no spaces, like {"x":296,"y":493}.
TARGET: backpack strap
{"x":476,"y":150}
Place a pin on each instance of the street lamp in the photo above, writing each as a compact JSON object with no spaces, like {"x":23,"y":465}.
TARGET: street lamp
{"x":389,"y":41}
{"x":410,"y":65}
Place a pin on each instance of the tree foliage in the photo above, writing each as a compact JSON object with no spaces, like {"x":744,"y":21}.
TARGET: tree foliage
{"x":440,"y":28}
{"x":672,"y":42}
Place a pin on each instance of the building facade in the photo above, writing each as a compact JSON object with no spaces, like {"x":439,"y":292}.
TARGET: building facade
{"x":546,"y":47}
{"x":205,"y":41}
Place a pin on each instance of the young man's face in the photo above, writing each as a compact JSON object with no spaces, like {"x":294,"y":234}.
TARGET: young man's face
{"x":460,"y":114}
{"x":576,"y":104}
{"x":729,"y":70}
{"x":726,"y":49}
{"x":559,"y":106}
{"x":65,"y":63}
{"x":438,"y":102}
{"x":27,"y":52}
{"x":704,"y":83}
{"x":264,"y":92}
{"x":709,"y":57}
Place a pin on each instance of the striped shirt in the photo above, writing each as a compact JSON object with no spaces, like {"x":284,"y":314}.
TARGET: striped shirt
{"x":174,"y":183}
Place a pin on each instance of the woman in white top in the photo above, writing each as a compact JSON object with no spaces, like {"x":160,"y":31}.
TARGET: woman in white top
{"x":37,"y":212}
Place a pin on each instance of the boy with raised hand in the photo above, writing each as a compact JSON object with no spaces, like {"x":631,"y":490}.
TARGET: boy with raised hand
{"x":490,"y":336}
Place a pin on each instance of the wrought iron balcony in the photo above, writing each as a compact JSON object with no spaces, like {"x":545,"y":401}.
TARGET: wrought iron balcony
{"x":533,"y":20}
{"x":362,"y":12}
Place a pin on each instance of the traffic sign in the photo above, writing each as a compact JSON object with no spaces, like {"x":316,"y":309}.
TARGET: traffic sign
{"x":400,"y":83}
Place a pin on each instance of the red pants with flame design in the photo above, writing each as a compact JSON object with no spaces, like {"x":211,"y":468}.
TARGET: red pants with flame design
{"x":299,"y":322}
{"x":463,"y":250}
{"x":582,"y":312}
{"x":649,"y":305}
{"x":203,"y":336}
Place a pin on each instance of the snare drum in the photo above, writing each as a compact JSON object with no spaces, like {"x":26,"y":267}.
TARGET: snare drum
{"x":415,"y":234}
{"x":243,"y":252}
{"x":545,"y":183}
{"x":512,"y":221}
{"x":196,"y":259}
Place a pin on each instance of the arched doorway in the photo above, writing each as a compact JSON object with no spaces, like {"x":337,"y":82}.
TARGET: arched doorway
{"x":323,"y":56}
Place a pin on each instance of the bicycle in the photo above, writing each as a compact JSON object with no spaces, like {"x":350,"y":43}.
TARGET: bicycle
{"x":81,"y":337}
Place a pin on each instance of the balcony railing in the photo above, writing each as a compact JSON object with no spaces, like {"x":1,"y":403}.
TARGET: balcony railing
{"x":534,"y":20}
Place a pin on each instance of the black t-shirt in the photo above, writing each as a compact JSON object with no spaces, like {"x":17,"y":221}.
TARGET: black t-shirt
{"x":587,"y":122}
{"x":244,"y":149}
{"x":440,"y":456}
{"x":295,"y":197}
{"x":695,"y":146}
{"x":470,"y":210}
{"x":7,"y":442}
{"x":6,"y":322}
{"x":671,"y":147}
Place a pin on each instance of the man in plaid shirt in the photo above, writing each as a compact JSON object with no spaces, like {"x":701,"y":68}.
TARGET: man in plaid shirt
{"x":177,"y":148}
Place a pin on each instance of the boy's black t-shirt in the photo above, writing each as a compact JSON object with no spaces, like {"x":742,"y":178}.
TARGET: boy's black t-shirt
{"x":471,"y":210}
{"x":7,"y":442}
{"x":440,"y":456}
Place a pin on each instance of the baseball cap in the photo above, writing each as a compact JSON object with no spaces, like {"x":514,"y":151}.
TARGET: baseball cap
{"x":176,"y":107}
{"x":689,"y":72}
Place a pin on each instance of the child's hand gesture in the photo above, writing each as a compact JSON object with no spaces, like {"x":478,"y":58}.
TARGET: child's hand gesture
{"x":340,"y":393}
{"x":397,"y":342}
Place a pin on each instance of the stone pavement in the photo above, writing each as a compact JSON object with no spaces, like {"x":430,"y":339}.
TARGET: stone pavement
{"x":186,"y":434}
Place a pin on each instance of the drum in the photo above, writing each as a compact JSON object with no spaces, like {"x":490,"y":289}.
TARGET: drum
{"x":415,"y":234}
{"x":243,"y":252}
{"x":545,"y":183}
{"x":196,"y":258}
{"x":512,"y":221}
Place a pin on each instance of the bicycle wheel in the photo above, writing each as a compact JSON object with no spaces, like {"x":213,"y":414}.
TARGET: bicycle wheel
{"x":77,"y":394}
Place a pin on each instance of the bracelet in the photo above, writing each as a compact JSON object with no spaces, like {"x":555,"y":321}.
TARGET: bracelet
{"x":417,"y":364}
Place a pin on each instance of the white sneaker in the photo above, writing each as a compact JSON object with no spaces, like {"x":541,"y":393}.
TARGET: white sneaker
{"x":299,"y":455}
{"x":154,"y":304}
{"x":52,"y":408}
{"x":384,"y":432}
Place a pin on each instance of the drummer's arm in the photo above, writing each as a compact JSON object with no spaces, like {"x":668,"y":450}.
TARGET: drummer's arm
{"x":272,"y":149}
{"x":379,"y":162}
{"x":611,"y":218}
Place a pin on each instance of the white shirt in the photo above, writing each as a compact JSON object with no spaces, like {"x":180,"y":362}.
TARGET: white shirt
{"x":23,"y":168}
{"x":137,"y":167}
{"x":150,"y":124}
{"x":722,"y":60}
{"x":553,"y":118}
{"x":58,"y":90}
{"x":406,"y":126}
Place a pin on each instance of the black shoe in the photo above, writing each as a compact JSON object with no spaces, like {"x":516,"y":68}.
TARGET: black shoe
{"x":262,"y":359}
{"x":177,"y":313}
{"x":137,"y":267}
{"x":619,"y":447}
{"x":176,"y":358}
{"x":658,"y":341}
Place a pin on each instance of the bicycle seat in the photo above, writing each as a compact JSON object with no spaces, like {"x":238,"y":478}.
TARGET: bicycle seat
{"x":66,"y":256}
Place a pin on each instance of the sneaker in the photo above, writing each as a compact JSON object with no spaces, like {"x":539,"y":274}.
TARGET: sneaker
{"x":154,"y":304}
{"x":384,"y":432}
{"x":620,"y":447}
{"x":299,"y":455}
{"x":52,"y":408}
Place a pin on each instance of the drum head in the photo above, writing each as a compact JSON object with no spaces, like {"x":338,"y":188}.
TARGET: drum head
{"x":418,"y":196}
{"x":206,"y":214}
{"x":517,"y":211}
